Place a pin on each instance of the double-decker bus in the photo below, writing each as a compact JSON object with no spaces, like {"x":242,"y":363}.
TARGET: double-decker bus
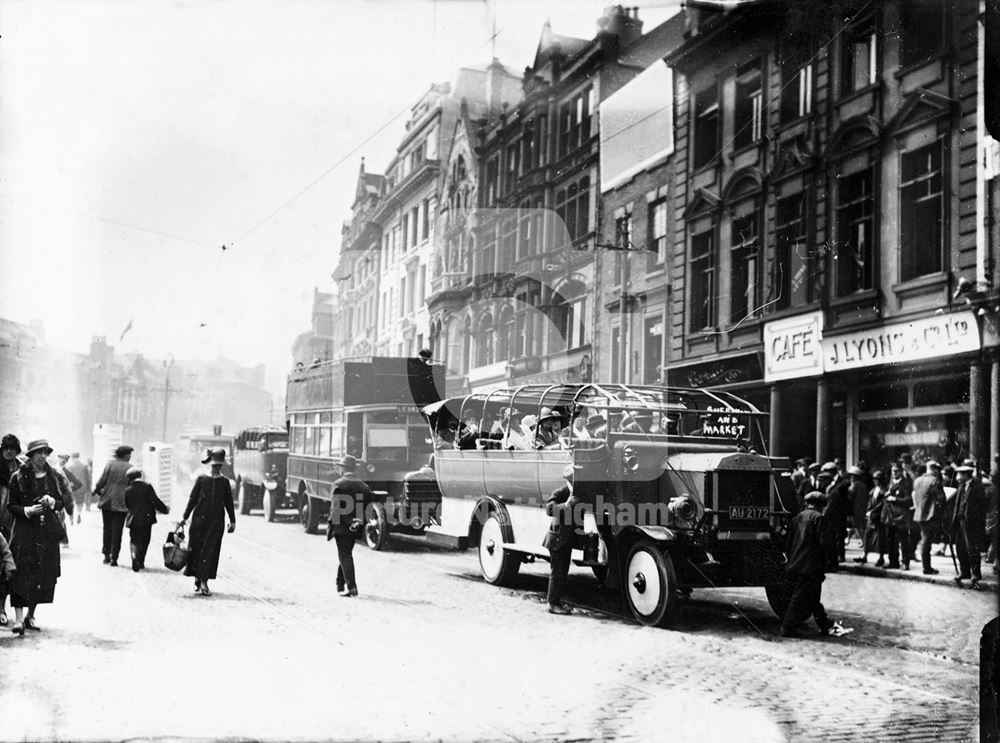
{"x":675,"y":493}
{"x":369,"y":408}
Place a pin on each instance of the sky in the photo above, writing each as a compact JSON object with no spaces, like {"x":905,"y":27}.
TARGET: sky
{"x":184,"y":167}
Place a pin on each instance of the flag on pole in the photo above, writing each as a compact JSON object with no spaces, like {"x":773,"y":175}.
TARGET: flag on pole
{"x":127,"y":328}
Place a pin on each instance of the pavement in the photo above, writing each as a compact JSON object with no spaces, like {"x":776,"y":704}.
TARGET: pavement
{"x":429,"y":651}
{"x":942,"y":563}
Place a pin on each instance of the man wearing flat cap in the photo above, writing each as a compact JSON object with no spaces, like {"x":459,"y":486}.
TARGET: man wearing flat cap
{"x":347,"y":511}
{"x":806,"y":567}
{"x":561,"y":506}
{"x":110,"y":491}
{"x":143,"y":504}
{"x":928,"y":510}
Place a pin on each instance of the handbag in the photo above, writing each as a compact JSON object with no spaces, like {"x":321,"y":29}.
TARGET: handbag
{"x":52,"y":527}
{"x":175,"y":554}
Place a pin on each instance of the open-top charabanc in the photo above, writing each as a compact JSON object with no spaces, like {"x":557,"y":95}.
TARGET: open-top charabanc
{"x":676,"y":496}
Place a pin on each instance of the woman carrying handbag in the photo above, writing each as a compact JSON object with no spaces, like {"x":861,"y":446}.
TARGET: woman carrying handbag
{"x":211,"y":500}
{"x":37,"y":493}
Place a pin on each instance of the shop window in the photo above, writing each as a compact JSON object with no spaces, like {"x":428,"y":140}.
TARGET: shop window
{"x":940,"y":392}
{"x":796,"y":91}
{"x":745,"y":262}
{"x":858,"y":57}
{"x":883,"y":397}
{"x":706,"y":127}
{"x":921,"y":29}
{"x":855,"y":255}
{"x":703,"y":290}
{"x":657,"y":240}
{"x":921,"y":212}
{"x":793,"y":272}
{"x":749,"y":105}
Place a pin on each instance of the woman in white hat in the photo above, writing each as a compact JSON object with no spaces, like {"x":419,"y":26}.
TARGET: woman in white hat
{"x":211,"y":500}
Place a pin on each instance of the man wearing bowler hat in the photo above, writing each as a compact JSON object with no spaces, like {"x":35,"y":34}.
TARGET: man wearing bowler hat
{"x":110,"y":490}
{"x":347,"y":508}
{"x":928,"y":510}
{"x":561,"y":506}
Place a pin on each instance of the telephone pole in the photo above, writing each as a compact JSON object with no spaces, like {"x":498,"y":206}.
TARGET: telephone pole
{"x":166,"y":397}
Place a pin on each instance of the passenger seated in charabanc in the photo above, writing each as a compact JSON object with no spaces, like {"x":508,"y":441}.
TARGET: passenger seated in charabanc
{"x":446,"y":434}
{"x":550,"y":427}
{"x":597,"y":427}
{"x":515,"y":438}
{"x":500,"y":424}
{"x":638,"y":421}
{"x":579,"y":424}
{"x":468,"y":432}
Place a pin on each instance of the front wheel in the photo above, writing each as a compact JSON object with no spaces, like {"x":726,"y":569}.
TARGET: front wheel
{"x":650,"y":585}
{"x":242,"y":501}
{"x":376,"y":526}
{"x":268,"y":506}
{"x":497,"y":564}
{"x":308,"y":514}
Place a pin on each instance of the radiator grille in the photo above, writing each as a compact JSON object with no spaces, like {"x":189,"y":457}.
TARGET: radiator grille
{"x":743,"y":498}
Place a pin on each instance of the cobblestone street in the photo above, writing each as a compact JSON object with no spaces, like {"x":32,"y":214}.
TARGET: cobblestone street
{"x":431,"y":652}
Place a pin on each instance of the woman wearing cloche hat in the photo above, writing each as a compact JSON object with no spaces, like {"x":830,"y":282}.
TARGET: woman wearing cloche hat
{"x":211,"y":500}
{"x":37,"y":492}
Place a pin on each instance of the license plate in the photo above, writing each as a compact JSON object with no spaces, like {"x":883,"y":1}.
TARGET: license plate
{"x":749,"y":513}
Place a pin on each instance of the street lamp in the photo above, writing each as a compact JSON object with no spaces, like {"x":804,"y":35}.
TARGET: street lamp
{"x":166,"y":395}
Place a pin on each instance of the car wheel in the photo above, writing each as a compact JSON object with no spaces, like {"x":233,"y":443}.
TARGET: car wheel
{"x":242,"y":501}
{"x":497,"y":564}
{"x":308,"y":516}
{"x":650,"y":585}
{"x":268,"y":506}
{"x":376,"y":527}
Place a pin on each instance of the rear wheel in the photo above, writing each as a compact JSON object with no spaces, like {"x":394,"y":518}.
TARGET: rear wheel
{"x":376,"y":526}
{"x":650,"y":585}
{"x":243,"y":501}
{"x":497,"y":564}
{"x":268,"y":505}
{"x":308,"y":513}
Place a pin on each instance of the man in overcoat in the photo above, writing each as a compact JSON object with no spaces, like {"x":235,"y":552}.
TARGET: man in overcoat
{"x":928,"y":510}
{"x":561,"y":506}
{"x":968,"y":530}
{"x":82,"y":473}
{"x":142,"y":503}
{"x":350,"y":496}
{"x":807,"y":551}
{"x":110,"y":489}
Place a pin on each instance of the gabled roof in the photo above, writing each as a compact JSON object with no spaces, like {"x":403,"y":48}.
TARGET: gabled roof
{"x":549,"y":42}
{"x":369,"y":184}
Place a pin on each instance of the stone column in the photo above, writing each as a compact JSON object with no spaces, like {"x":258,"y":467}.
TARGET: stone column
{"x":775,"y":443}
{"x":978,"y":413}
{"x":822,"y":420}
{"x":994,"y":410}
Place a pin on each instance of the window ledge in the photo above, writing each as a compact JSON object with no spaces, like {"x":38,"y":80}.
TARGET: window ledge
{"x":705,"y":167}
{"x":857,"y":297}
{"x":749,"y":147}
{"x":805,"y":119}
{"x":848,"y":97}
{"x":921,"y":284}
{"x":902,"y":72}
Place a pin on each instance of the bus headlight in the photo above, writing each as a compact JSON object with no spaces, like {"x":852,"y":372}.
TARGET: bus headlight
{"x":630,"y":458}
{"x":685,"y":510}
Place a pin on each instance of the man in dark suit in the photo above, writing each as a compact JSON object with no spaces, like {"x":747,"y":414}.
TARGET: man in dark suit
{"x":808,"y":552}
{"x":968,"y":529}
{"x":562,"y":507}
{"x":350,"y":494}
{"x":142,"y":504}
{"x":928,"y":510}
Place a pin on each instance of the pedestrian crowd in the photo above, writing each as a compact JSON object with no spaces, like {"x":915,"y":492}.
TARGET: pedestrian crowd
{"x":40,"y":498}
{"x":894,"y":510}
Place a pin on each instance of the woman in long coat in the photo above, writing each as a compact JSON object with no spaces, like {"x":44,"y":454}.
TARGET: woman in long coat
{"x":37,"y":493}
{"x":10,"y":447}
{"x":211,"y":499}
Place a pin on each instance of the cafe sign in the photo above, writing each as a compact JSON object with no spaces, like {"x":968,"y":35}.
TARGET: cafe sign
{"x":927,"y":338}
{"x":792,"y":347}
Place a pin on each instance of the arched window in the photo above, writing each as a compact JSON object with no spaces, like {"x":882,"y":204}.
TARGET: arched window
{"x":505,"y":334}
{"x":484,"y":340}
